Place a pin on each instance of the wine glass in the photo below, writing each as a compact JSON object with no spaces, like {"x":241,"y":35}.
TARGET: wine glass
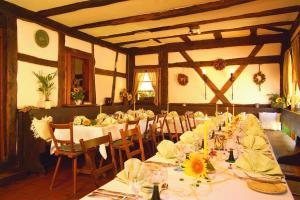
{"x":135,"y":180}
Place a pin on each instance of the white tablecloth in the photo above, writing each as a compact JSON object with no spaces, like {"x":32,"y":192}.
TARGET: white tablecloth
{"x":91,"y":132}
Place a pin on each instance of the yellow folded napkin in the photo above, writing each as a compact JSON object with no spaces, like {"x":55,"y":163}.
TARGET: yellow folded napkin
{"x":150,"y":113}
{"x":167,"y":149}
{"x":254,"y":142}
{"x":256,"y":162}
{"x":109,"y":121}
{"x":132,"y":169}
{"x":255,"y":130}
{"x":188,"y":137}
{"x":199,"y":114}
{"x":173,"y":114}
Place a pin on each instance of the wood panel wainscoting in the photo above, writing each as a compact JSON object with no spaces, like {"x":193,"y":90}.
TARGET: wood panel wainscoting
{"x":2,"y":138}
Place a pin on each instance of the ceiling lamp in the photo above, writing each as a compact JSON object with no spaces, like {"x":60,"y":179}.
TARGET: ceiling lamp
{"x":194,"y":30}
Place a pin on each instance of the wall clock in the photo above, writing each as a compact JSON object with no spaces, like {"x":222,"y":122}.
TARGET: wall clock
{"x":41,"y":38}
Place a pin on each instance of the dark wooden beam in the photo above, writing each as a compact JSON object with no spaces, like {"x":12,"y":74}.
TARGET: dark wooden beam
{"x":109,"y":72}
{"x":76,"y":6}
{"x":93,"y":75}
{"x":237,"y":73}
{"x":295,"y":25}
{"x":148,"y":66}
{"x":36,"y":60}
{"x":130,"y":65}
{"x":11,"y":9}
{"x":166,"y":14}
{"x":61,"y":70}
{"x":281,"y":30}
{"x":163,"y":62}
{"x":209,"y":44}
{"x":253,"y":30}
{"x":223,"y":19}
{"x":233,"y":61}
{"x":218,"y":35}
{"x":186,"y":39}
{"x":207,"y":81}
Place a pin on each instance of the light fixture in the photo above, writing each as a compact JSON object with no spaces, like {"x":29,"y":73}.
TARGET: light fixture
{"x":194,"y":30}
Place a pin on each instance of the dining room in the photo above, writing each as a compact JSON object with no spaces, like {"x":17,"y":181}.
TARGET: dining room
{"x":156,"y":99}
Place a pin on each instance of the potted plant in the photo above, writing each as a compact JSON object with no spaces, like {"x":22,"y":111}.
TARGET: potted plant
{"x":46,"y":86}
{"x":77,"y":95}
{"x":277,"y":101}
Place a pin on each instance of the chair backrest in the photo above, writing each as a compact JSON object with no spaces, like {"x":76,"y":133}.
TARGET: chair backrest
{"x":149,"y":120}
{"x":133,"y":122}
{"x":183,"y":123}
{"x":191,"y":120}
{"x":172,"y":132}
{"x":90,"y":146}
{"x":58,"y":143}
{"x":135,"y":132}
{"x":155,"y":134}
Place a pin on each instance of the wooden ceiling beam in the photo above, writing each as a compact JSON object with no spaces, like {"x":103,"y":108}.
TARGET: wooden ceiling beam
{"x":11,"y":9}
{"x":233,"y":61}
{"x":209,"y":44}
{"x":76,"y":6}
{"x":223,"y":19}
{"x":281,"y":30}
{"x":295,"y":25}
{"x":186,"y":39}
{"x":167,"y":14}
{"x":218,"y":35}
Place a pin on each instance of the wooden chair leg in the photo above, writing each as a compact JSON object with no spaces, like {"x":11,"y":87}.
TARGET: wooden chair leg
{"x":55,"y":172}
{"x":74,"y":175}
{"x":121,"y":159}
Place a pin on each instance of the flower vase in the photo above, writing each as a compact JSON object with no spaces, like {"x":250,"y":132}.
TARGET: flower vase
{"x":78,"y":102}
{"x":47,"y":104}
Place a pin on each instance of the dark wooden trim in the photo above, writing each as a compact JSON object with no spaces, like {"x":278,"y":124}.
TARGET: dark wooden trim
{"x":210,"y":44}
{"x":237,"y":73}
{"x":11,"y":86}
{"x":2,"y":102}
{"x":233,"y":61}
{"x":209,"y":83}
{"x":185,"y":38}
{"x":93,"y":89}
{"x":163,"y":63}
{"x":166,"y":14}
{"x":109,"y":73}
{"x":113,"y":88}
{"x":36,"y":60}
{"x":11,"y":9}
{"x":147,"y":66}
{"x":277,"y":29}
{"x":211,"y":21}
{"x":253,"y":32}
{"x":61,"y":69}
{"x":130,"y":71}
{"x":295,"y":25}
{"x":284,"y":47}
{"x":77,"y":6}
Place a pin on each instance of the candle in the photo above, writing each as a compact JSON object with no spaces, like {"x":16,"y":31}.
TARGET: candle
{"x":205,"y":139}
{"x":232,"y":110}
{"x":226,"y":120}
{"x":205,"y":116}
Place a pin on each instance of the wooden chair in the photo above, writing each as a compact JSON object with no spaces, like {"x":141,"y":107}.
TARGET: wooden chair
{"x":65,"y":148}
{"x":130,"y":123}
{"x":156,"y":136}
{"x":183,"y":123}
{"x":147,"y":138}
{"x":130,"y":134}
{"x":90,"y":148}
{"x":172,"y":134}
{"x":191,"y":120}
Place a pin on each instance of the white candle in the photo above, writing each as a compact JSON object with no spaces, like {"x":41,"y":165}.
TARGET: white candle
{"x":226,"y":120}
{"x":205,"y":139}
{"x":205,"y":116}
{"x":232,"y":110}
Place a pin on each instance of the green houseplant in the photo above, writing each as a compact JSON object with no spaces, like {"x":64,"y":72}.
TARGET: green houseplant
{"x":46,"y":86}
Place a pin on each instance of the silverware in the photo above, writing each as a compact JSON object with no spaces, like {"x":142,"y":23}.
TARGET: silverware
{"x":100,"y":190}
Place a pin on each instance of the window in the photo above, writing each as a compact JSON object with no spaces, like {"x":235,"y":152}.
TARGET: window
{"x":79,"y":73}
{"x":146,"y":88}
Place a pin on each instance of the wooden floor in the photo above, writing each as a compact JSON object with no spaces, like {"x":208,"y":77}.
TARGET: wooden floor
{"x":35,"y":187}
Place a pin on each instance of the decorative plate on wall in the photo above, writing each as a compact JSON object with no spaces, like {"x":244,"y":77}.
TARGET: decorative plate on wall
{"x":42,"y":38}
{"x":182,"y":79}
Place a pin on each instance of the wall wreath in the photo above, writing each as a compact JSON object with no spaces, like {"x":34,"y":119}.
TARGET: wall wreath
{"x":182,"y":79}
{"x":219,"y":64}
{"x":259,"y":78}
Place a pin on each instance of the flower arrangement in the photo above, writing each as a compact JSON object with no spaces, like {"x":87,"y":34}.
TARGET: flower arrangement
{"x":82,"y":120}
{"x":195,"y":165}
{"x":125,"y":95}
{"x":77,"y":92}
{"x":277,"y":101}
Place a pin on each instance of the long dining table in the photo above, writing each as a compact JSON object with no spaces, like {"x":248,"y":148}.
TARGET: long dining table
{"x":225,"y":183}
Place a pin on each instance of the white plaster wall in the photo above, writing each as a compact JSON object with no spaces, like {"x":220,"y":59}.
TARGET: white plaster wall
{"x":27,"y":45}
{"x":148,"y":59}
{"x":78,"y":44}
{"x":103,"y":86}
{"x":27,"y":85}
{"x":104,"y":58}
{"x":120,"y":85}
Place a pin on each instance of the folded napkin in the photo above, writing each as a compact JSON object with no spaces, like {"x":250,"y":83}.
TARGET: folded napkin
{"x":101,"y":116}
{"x":128,"y":117}
{"x":132,"y":169}
{"x":198,"y":131}
{"x":41,"y":128}
{"x":199,"y":114}
{"x":79,"y":119}
{"x":256,"y":162}
{"x":109,"y":121}
{"x":167,"y":149}
{"x":254,"y":142}
{"x":150,"y":113}
{"x":255,"y":130}
{"x":188,"y":137}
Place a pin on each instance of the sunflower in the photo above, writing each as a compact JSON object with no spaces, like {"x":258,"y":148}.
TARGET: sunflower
{"x":278,"y":100}
{"x":195,"y":166}
{"x":86,"y":122}
{"x":76,"y":90}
